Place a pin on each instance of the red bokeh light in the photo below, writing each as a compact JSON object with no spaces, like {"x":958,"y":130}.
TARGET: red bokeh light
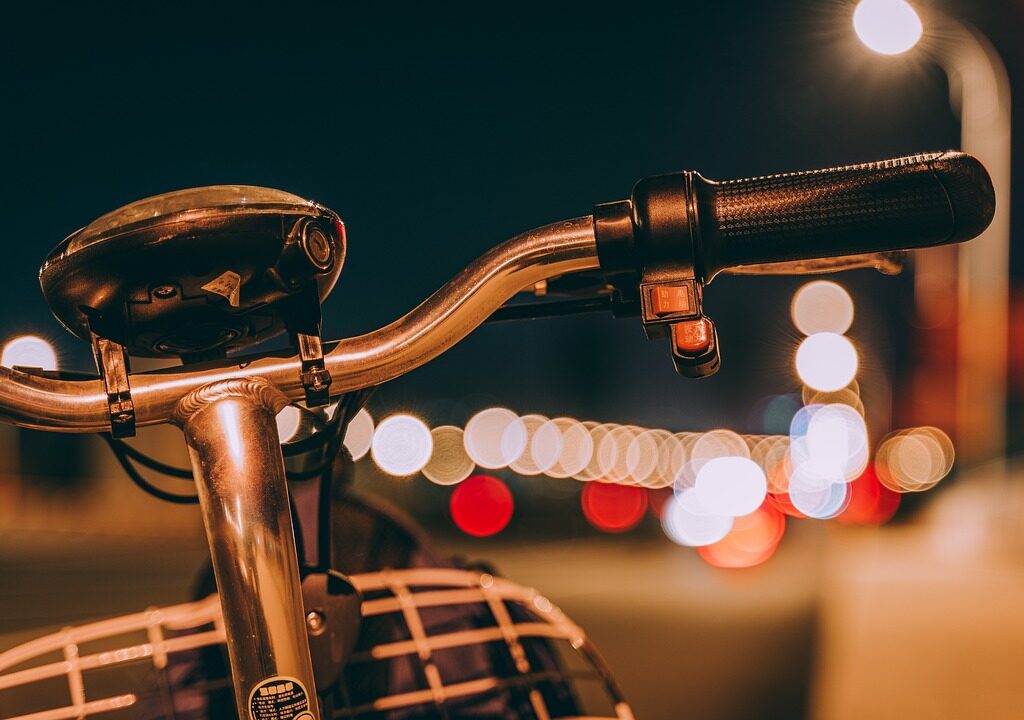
{"x":657,"y":498}
{"x":613,"y":508}
{"x":752,"y":540}
{"x":481,"y":505}
{"x":781,"y":501}
{"x":871,"y":502}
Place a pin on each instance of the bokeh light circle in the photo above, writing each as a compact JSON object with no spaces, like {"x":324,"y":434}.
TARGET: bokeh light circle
{"x":494,"y":437}
{"x":613,"y":453}
{"x":914,"y":460}
{"x":751,"y":541}
{"x":686,"y":525}
{"x":29,"y":351}
{"x":613,"y":508}
{"x":822,"y":306}
{"x":526,"y":463}
{"x":642,"y":458}
{"x":577,"y":448}
{"x":592,"y":470}
{"x":826,"y":361}
{"x":546,"y":445}
{"x":402,"y":445}
{"x":359,"y":434}
{"x":871,"y":503}
{"x":481,"y":505}
{"x":818,"y":502}
{"x":731,"y":486}
{"x":449,"y":464}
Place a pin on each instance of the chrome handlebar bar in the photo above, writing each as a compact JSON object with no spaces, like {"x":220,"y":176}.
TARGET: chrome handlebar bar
{"x":438,"y":323}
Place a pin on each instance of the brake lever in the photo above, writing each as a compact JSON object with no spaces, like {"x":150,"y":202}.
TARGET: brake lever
{"x":887,"y":263}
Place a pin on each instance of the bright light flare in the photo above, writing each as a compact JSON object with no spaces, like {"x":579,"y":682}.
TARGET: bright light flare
{"x":29,"y":351}
{"x":822,"y":306}
{"x":826,"y":361}
{"x":888,"y":27}
{"x":402,"y":445}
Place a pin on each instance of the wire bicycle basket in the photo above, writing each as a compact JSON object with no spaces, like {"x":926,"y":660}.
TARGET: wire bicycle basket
{"x":442,"y":642}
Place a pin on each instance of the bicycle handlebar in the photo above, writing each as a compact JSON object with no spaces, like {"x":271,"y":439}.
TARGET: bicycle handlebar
{"x":443,"y":319}
{"x":683,"y":222}
{"x":904,"y":203}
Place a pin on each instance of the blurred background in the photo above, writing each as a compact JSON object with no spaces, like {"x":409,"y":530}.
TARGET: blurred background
{"x":437,"y":133}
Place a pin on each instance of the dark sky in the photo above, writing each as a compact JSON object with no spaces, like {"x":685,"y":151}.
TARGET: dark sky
{"x":436,"y":134}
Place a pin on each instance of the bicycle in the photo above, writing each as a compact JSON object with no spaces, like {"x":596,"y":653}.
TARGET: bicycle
{"x":198,"y":274}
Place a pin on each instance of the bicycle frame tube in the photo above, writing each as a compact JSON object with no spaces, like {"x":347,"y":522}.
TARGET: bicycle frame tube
{"x":236,"y":459}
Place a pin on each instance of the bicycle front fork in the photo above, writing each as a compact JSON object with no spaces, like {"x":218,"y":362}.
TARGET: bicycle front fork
{"x":236,"y":458}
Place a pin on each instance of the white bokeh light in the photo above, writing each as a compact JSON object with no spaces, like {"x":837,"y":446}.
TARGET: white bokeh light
{"x":359,"y":434}
{"x":546,"y":445}
{"x":822,"y":306}
{"x":402,"y":445}
{"x":829,"y":444}
{"x":820,"y":503}
{"x":685,"y":522}
{"x":826,"y":361}
{"x":577,"y":448}
{"x":889,"y":27}
{"x":731,"y":486}
{"x":495,"y":437}
{"x":288,"y":422}
{"x":29,"y":351}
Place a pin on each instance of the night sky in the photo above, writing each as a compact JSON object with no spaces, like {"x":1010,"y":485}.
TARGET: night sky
{"x":437,"y":133}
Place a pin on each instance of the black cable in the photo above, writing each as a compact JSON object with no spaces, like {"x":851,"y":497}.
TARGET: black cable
{"x":532,"y":311}
{"x":149,"y":461}
{"x":142,"y":482}
{"x":328,"y":435}
{"x":347,"y":408}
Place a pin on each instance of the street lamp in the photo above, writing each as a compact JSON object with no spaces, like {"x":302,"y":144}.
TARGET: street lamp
{"x":980,"y":95}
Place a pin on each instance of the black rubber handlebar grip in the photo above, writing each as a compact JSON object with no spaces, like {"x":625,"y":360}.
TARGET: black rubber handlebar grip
{"x":909,"y":202}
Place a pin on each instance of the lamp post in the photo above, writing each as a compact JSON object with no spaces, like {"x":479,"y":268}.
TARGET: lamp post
{"x":980,"y":95}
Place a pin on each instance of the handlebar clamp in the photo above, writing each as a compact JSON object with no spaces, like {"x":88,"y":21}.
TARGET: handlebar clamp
{"x":112,"y":363}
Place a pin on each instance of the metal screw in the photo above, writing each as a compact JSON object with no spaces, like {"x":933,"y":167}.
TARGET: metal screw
{"x":318,"y":248}
{"x":315,"y":622}
{"x":165,"y":291}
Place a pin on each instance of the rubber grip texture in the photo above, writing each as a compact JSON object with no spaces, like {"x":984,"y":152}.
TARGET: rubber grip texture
{"x":908,"y":202}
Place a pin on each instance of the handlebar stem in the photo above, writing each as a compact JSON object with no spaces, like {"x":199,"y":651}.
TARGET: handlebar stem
{"x":236,"y":459}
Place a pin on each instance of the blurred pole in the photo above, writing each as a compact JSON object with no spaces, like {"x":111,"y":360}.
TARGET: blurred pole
{"x":980,"y":94}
